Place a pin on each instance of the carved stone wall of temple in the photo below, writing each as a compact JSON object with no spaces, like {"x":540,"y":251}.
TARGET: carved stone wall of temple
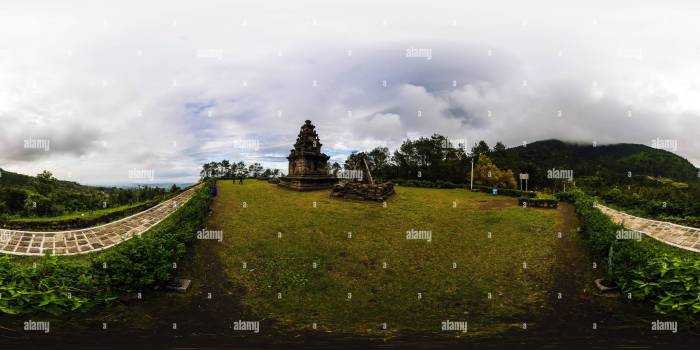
{"x":307,"y":165}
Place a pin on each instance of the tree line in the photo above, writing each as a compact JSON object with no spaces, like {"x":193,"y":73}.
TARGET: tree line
{"x":228,"y":169}
{"x":436,"y":158}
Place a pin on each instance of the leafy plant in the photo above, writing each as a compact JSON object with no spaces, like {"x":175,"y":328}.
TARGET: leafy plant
{"x":661,"y":275}
{"x":56,"y":285}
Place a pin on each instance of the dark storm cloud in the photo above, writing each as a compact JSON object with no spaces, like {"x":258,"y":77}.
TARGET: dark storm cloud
{"x":24,"y":142}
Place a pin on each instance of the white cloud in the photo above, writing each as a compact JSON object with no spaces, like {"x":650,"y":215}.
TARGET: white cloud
{"x":167,"y":86}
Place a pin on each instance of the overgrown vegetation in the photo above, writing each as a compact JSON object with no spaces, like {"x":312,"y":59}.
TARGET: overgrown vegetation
{"x":667,"y":277}
{"x":59,"y":284}
{"x":652,"y":197}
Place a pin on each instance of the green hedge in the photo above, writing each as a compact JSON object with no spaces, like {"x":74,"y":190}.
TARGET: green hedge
{"x":665,"y":276}
{"x":538,"y":202}
{"x":426,"y":183}
{"x":507,"y":192}
{"x":60,"y":284}
{"x":78,"y":222}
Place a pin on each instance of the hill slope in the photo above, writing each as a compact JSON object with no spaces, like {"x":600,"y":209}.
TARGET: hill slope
{"x":43,"y":195}
{"x":609,"y":162}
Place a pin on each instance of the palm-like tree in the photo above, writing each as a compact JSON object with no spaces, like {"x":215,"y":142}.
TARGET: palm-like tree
{"x":206,"y":170}
{"x":225,"y":167}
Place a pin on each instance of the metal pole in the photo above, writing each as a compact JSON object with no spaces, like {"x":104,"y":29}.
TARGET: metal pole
{"x":471,"y":184}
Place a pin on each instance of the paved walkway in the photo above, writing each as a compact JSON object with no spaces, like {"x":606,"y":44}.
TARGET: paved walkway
{"x":90,"y":239}
{"x":683,"y":237}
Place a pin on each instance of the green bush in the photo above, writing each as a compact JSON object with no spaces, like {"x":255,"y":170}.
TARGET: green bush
{"x":567,"y":196}
{"x":671,"y":283}
{"x":425,"y":183}
{"x":445,"y":184}
{"x":538,"y":202}
{"x":651,"y":271}
{"x":507,"y":192}
{"x":60,"y":284}
{"x":54,"y":286}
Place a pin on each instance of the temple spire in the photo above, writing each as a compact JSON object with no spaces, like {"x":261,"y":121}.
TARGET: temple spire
{"x":308,"y":167}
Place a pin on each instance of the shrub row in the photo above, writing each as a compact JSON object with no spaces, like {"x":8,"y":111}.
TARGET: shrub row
{"x":59,"y":284}
{"x":78,"y":222}
{"x":662,"y":275}
{"x":538,"y":202}
{"x":426,"y":183}
{"x":507,"y":192}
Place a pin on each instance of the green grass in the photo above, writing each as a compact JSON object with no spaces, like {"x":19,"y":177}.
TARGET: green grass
{"x":355,"y":265}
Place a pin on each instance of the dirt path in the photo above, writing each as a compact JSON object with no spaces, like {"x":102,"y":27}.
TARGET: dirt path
{"x":580,"y":314}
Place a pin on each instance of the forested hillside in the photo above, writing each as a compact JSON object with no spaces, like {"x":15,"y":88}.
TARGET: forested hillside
{"x":44,"y":195}
{"x":438,"y":158}
{"x":612,"y":164}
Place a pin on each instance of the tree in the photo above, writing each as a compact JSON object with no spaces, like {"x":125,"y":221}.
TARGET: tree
{"x":225,"y":168}
{"x":45,"y":176}
{"x":206,"y":171}
{"x":487,"y":174}
{"x":241,"y":169}
{"x":255,"y":169}
{"x":214,"y":168}
{"x":480,"y":148}
{"x":335,"y":168}
{"x":378,"y":161}
{"x":428,"y":159}
{"x":351,"y":161}
{"x":499,"y":147}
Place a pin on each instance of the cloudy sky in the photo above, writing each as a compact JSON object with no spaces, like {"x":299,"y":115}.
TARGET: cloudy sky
{"x":93,"y":90}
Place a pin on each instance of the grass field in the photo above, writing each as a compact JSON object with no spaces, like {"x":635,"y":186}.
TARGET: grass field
{"x":317,"y":273}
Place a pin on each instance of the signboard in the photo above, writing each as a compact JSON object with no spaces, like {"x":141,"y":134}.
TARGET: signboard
{"x":525,"y":177}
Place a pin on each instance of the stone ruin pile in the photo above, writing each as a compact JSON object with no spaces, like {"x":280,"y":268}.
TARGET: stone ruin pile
{"x":365,"y":188}
{"x":363,"y":191}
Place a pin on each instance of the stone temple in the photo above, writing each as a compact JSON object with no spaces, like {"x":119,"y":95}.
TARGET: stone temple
{"x":308,"y":167}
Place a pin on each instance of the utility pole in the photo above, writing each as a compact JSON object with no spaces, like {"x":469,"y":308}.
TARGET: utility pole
{"x":471,"y":183}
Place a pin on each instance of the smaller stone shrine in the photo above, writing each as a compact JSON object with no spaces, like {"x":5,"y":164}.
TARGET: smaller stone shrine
{"x":308,"y":167}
